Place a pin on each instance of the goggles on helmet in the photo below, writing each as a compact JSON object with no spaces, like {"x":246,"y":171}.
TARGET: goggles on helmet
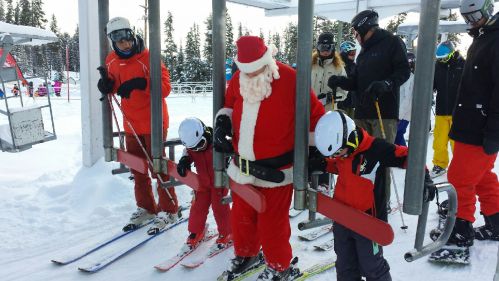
{"x":447,"y":58}
{"x":473,"y":17}
{"x":200,"y":146}
{"x":324,"y":47}
{"x":121,"y":35}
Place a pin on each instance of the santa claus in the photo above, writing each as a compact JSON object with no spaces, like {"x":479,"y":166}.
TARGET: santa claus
{"x":257,"y":123}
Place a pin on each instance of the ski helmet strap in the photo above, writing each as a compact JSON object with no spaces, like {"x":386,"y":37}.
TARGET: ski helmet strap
{"x":346,"y":142}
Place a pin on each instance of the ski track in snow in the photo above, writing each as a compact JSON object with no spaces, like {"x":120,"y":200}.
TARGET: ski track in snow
{"x":51,"y":205}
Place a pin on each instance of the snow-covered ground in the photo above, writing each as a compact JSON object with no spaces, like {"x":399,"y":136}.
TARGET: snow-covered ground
{"x":51,"y":205}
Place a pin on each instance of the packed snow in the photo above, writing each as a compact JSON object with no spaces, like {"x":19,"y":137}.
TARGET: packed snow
{"x":52,"y":206}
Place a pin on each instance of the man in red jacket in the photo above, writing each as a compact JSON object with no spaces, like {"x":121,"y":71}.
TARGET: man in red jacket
{"x":128,"y":76}
{"x":259,"y":114}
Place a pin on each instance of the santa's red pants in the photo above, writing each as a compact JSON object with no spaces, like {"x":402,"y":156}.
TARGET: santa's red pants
{"x":269,"y":230}
{"x":201,"y":205}
{"x":470,"y":172}
{"x":143,"y":190}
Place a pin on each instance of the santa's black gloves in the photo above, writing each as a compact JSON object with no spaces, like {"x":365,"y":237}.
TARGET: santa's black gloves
{"x":490,"y":146}
{"x":429,"y":188}
{"x":375,"y":90}
{"x":128,"y":86}
{"x":223,"y":131}
{"x":317,"y":164}
{"x":183,"y":165}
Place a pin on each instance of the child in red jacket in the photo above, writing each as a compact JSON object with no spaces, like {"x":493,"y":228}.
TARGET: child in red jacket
{"x":359,"y":160}
{"x":197,"y":139}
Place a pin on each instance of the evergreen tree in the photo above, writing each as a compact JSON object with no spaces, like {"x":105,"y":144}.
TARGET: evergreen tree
{"x":179,"y":69}
{"x":239,"y":30}
{"x":74,"y":51}
{"x":394,"y":23}
{"x":9,"y":14}
{"x":25,"y":13}
{"x":276,"y":40}
{"x":269,"y":39}
{"x":2,"y":11}
{"x":170,"y":52}
{"x":54,"y":51}
{"x":453,"y":37}
{"x":261,"y":35}
{"x":193,"y":64}
{"x":37,"y":14}
{"x":53,"y":25}
{"x":208,"y":42}
{"x":290,"y":43}
{"x":229,"y":36}
{"x":17,"y":13}
{"x":322,"y":25}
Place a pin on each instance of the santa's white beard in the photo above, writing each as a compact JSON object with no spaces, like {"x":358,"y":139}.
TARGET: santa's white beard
{"x":255,"y":89}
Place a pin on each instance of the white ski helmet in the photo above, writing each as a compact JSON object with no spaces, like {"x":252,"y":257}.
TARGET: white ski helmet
{"x":191,"y":132}
{"x":332,"y":132}
{"x":117,"y":23}
{"x":474,"y":10}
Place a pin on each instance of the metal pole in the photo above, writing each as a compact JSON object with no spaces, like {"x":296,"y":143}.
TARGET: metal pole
{"x":421,"y":106}
{"x":302,"y":107}
{"x":496,"y":276}
{"x":218,"y":38}
{"x":107,"y":125}
{"x":155,"y":80}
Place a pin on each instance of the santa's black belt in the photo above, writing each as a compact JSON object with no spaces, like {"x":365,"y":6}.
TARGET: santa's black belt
{"x":265,"y":169}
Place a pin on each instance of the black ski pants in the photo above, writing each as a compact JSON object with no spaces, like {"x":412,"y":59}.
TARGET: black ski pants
{"x":358,"y":256}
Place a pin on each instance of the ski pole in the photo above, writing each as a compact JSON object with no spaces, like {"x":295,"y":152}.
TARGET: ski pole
{"x":149,"y":161}
{"x":404,"y":226}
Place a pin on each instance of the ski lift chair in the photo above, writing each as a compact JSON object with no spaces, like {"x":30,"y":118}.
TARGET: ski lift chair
{"x":25,"y":126}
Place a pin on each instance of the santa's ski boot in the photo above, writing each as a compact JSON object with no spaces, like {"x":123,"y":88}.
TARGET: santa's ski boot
{"x":140,"y":217}
{"x":270,"y":274}
{"x":489,"y":231}
{"x":162,"y":220}
{"x":240,"y":266}
{"x":457,"y":249}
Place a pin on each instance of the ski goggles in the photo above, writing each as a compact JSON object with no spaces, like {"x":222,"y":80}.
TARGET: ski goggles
{"x":446,"y":58}
{"x":325,"y":47}
{"x":200,"y":146}
{"x":121,"y":35}
{"x":473,"y":17}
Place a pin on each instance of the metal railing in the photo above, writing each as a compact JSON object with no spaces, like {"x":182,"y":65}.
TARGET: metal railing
{"x":192,"y":88}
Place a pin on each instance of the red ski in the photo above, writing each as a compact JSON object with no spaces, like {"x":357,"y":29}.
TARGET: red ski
{"x":358,"y":221}
{"x":250,"y":195}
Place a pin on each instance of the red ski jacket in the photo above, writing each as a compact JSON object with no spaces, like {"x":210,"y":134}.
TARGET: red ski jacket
{"x":203,"y":160}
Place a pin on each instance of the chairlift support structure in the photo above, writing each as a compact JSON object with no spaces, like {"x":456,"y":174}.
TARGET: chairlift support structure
{"x":25,"y":124}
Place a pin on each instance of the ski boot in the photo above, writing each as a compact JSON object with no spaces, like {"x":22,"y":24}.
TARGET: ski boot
{"x":489,"y":231}
{"x":240,"y":266}
{"x":457,"y":249}
{"x":223,"y":242}
{"x":140,"y":217}
{"x":162,"y":220}
{"x":270,"y":274}
{"x":437,"y":171}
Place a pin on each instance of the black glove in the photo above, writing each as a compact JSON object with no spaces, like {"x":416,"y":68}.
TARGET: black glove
{"x":490,"y":146}
{"x":317,"y":164}
{"x":376,"y":89}
{"x":336,"y":81}
{"x":105,"y":86}
{"x":126,"y":88}
{"x":223,"y":129}
{"x":183,"y":165}
{"x":429,"y":188}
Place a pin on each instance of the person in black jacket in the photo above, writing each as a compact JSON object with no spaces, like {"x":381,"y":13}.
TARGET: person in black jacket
{"x":475,"y":127}
{"x":381,"y":68}
{"x":448,"y":71}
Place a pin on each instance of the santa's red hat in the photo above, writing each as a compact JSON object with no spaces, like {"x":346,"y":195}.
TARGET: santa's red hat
{"x":252,"y":54}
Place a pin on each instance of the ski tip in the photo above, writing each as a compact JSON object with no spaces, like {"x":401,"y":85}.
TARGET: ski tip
{"x":159,"y":268}
{"x":58,"y":262}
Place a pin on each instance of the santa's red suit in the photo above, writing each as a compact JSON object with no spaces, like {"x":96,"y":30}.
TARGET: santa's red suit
{"x":264,"y":129}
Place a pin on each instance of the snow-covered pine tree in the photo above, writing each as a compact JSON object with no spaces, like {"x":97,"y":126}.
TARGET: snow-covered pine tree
{"x":239,"y":30}
{"x":37,"y":14}
{"x":2,"y":11}
{"x":74,"y":51}
{"x":229,"y":36}
{"x":276,"y":40}
{"x":170,"y":51}
{"x":179,"y":68}
{"x":9,"y":14}
{"x":208,"y":42}
{"x":290,"y":43}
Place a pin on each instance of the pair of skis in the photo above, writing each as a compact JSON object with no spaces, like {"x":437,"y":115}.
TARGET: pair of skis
{"x":196,"y":257}
{"x":114,"y":255}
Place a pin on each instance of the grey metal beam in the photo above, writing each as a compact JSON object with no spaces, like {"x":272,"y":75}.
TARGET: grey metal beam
{"x":218,"y":45}
{"x":421,"y":106}
{"x":107,"y":125}
{"x":155,"y":80}
{"x":302,"y":107}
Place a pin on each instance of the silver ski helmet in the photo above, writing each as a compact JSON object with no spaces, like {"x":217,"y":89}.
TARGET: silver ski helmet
{"x":474,"y":10}
{"x":192,"y":133}
{"x":334,"y":131}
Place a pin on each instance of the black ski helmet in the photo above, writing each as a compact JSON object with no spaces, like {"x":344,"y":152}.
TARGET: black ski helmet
{"x":325,"y":42}
{"x":364,"y":20}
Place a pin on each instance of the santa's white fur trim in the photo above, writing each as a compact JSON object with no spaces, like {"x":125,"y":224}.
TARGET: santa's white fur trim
{"x":237,"y":176}
{"x":257,"y":64}
{"x":247,"y":130}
